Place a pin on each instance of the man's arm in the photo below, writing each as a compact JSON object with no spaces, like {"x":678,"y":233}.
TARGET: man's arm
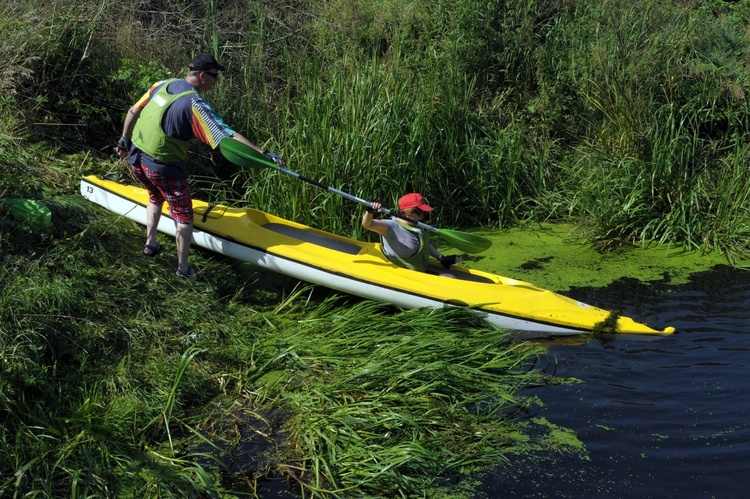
{"x":130,"y":120}
{"x":244,"y":140}
{"x":123,"y":146}
{"x":378,"y":226}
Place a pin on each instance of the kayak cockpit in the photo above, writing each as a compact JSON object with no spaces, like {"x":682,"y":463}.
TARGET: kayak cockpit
{"x":314,"y":237}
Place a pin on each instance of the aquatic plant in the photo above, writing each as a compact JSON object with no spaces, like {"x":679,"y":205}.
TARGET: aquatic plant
{"x":384,"y":403}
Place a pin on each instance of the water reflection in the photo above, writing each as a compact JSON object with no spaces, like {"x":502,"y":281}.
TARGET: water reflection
{"x":660,"y":416}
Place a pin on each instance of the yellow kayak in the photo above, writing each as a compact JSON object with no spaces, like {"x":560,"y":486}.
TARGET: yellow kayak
{"x":359,"y":268}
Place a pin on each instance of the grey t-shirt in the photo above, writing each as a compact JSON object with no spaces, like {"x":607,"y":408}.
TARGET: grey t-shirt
{"x":400,"y":241}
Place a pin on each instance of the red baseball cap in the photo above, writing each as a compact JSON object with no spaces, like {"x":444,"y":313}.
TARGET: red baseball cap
{"x":413,"y":200}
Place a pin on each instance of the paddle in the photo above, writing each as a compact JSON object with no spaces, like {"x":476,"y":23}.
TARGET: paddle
{"x":245,"y":156}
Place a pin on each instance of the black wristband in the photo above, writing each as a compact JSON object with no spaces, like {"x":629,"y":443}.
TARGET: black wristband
{"x":124,"y":143}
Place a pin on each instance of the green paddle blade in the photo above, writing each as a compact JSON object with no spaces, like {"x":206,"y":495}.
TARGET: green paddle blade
{"x":243,"y":155}
{"x":30,"y":210}
{"x":468,"y":243}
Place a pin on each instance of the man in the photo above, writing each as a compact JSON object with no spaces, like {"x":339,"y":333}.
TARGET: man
{"x":155,"y":139}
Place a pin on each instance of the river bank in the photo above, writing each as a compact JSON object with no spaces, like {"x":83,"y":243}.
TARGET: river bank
{"x":116,"y":374}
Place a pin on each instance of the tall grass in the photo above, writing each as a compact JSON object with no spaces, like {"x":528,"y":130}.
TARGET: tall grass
{"x":376,"y":130}
{"x":408,"y":105}
{"x":392,"y":404}
{"x":488,"y":108}
{"x":660,"y":152}
{"x":624,"y":86}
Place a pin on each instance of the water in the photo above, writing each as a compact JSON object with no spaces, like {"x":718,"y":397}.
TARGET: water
{"x":660,"y":416}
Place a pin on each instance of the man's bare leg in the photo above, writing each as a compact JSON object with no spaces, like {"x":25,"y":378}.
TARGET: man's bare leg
{"x":153,"y":215}
{"x":183,"y":237}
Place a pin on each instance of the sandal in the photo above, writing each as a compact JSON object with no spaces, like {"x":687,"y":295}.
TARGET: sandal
{"x":192,"y":274}
{"x":152,"y":251}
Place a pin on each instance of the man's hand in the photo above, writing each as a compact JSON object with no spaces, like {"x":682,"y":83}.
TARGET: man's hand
{"x":274,"y":157}
{"x":123,"y":146}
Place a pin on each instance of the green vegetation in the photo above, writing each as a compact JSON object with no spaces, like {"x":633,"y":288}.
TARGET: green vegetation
{"x":120,"y":380}
{"x":628,"y":119}
{"x":558,"y":257}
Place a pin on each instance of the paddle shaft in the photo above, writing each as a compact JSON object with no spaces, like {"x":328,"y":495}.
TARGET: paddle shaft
{"x":245,"y":156}
{"x":356,"y":199}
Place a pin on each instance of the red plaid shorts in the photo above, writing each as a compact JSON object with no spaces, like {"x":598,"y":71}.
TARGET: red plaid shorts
{"x":175,"y":191}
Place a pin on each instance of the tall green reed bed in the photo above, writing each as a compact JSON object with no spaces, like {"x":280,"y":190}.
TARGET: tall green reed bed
{"x":625,"y":117}
{"x":668,"y":129}
{"x":117,"y":379}
{"x":377,"y":130}
{"x":497,"y":111}
{"x":667,"y":197}
{"x":376,"y":99}
{"x":387,"y":404}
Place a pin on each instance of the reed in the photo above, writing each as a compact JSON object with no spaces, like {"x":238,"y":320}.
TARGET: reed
{"x":419,"y":100}
{"x":649,"y":170}
{"x":390,"y":404}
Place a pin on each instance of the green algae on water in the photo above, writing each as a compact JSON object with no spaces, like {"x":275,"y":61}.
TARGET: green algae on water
{"x":552,"y":256}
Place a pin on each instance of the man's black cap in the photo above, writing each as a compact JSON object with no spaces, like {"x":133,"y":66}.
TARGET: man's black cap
{"x":205,"y":62}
